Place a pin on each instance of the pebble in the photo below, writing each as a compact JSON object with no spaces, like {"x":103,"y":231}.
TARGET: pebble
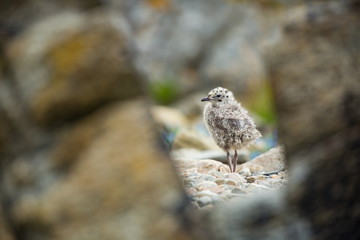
{"x":220,"y":181}
{"x":207,"y":177}
{"x":204,"y":201}
{"x":205,"y":193}
{"x":230,"y":182}
{"x":217,"y":174}
{"x":205,"y":185}
{"x":238,"y":191}
{"x":206,"y":189}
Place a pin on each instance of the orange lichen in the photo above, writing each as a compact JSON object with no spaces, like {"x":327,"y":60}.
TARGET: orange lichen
{"x":159,"y":4}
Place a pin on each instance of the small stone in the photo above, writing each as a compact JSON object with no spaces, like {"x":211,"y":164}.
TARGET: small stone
{"x":188,"y":183}
{"x":189,"y":171}
{"x":283,"y":175}
{"x":217,"y":189}
{"x":204,"y":201}
{"x":190,"y":191}
{"x":237,"y":178}
{"x":273,"y":183}
{"x":250,"y":179}
{"x":220,"y":181}
{"x":231,"y":182}
{"x":208,"y":177}
{"x":260,"y":178}
{"x":205,"y":185}
{"x":231,"y":195}
{"x":275,"y":176}
{"x":245,"y":172}
{"x":229,"y":187}
{"x":217,"y":174}
{"x":205,"y":193}
{"x":255,"y":188}
{"x":238,"y":191}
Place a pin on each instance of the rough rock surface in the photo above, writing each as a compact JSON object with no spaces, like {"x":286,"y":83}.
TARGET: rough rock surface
{"x":271,"y":161}
{"x":80,"y":158}
{"x":106,"y":182}
{"x":69,"y":55}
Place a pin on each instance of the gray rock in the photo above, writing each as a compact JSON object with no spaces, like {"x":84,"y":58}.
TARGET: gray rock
{"x":220,"y":181}
{"x":238,"y":191}
{"x":207,"y":177}
{"x":205,"y":193}
{"x":204,"y":201}
{"x":205,"y":185}
{"x":272,"y":160}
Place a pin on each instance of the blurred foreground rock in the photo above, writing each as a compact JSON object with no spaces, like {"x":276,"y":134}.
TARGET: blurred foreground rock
{"x":80,"y":158}
{"x":315,"y":75}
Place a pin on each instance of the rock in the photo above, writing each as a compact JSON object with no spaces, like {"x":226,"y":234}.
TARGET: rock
{"x":220,"y":181}
{"x":5,"y":233}
{"x":206,"y":193}
{"x":217,"y":189}
{"x":79,"y":154}
{"x":217,"y":174}
{"x":317,"y":96}
{"x":205,"y":166}
{"x":208,"y":177}
{"x":169,"y":117}
{"x":238,"y":191}
{"x":204,"y":201}
{"x":273,"y":182}
{"x":236,"y":177}
{"x":209,"y":180}
{"x":219,"y":155}
{"x":186,"y":138}
{"x":97,"y":174}
{"x":202,"y":166}
{"x":250,"y":179}
{"x":83,"y":49}
{"x":301,"y":101}
{"x":230,"y":182}
{"x":272,"y":160}
{"x":191,"y":153}
{"x":205,"y":185}
{"x":245,"y":171}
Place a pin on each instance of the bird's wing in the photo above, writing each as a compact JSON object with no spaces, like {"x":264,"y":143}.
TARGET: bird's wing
{"x":233,"y":124}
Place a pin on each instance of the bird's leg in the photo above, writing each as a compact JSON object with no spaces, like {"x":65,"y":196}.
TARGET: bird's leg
{"x":235,"y":160}
{"x":229,"y":160}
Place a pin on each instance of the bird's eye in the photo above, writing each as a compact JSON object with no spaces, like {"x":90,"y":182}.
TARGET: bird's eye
{"x":218,"y":95}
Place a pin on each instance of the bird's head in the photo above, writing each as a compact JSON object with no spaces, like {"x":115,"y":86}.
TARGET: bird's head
{"x":219,"y":94}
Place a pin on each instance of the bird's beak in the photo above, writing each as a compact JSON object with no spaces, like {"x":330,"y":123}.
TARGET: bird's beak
{"x":205,"y":99}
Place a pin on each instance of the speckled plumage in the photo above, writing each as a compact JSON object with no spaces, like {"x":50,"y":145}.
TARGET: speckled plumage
{"x":228,"y":122}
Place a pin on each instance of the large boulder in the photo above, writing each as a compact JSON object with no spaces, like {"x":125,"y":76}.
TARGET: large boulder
{"x":316,"y":80}
{"x":315,"y":76}
{"x":80,"y":158}
{"x":83,"y":63}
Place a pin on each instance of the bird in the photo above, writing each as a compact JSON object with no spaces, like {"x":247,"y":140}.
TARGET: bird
{"x":228,"y":123}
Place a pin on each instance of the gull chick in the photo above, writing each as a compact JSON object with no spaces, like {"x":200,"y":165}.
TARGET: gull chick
{"x":228,"y":123}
